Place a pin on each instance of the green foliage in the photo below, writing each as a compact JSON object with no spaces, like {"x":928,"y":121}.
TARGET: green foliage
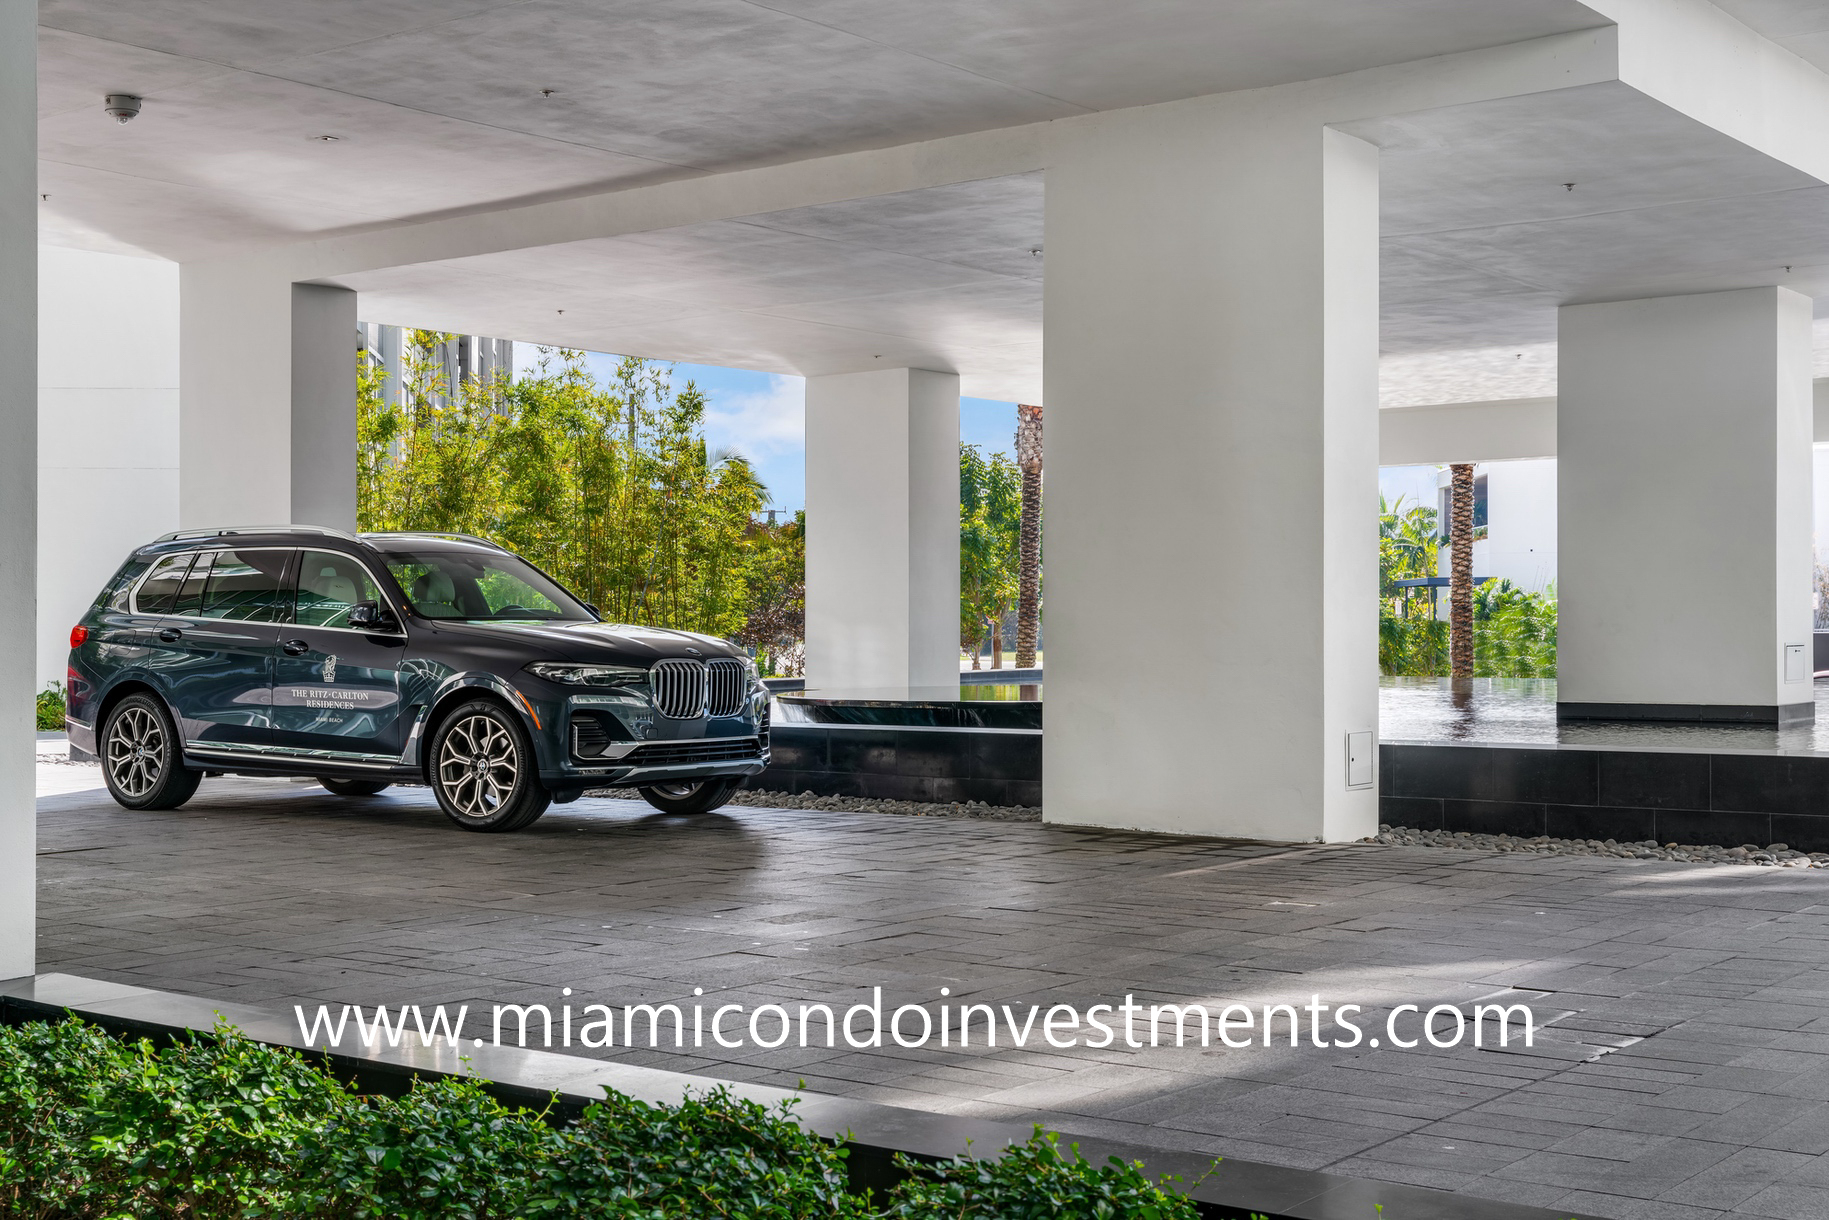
{"x":1035,"y":1182}
{"x":777,"y":580}
{"x":51,"y":708}
{"x":94,"y":1127}
{"x":609,"y":489}
{"x":1514,"y":632}
{"x":990,"y":528}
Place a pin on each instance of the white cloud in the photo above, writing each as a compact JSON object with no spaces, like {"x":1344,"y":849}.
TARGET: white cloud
{"x":760,"y":424}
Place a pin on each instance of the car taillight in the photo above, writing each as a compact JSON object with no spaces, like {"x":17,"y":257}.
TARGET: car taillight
{"x":77,"y":635}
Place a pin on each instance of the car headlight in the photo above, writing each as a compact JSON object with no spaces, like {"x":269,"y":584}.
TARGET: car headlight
{"x":567,"y":673}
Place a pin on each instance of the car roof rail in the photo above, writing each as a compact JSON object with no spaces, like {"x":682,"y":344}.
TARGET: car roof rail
{"x":326,"y":530}
{"x":494,"y":546}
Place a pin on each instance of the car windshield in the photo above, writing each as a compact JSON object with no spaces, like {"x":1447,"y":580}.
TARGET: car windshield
{"x":481,"y":587}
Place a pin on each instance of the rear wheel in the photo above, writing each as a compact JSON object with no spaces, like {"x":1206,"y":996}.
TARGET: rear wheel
{"x":142,"y":760}
{"x":353,"y":787}
{"x":690,"y":796}
{"x":483,"y":770}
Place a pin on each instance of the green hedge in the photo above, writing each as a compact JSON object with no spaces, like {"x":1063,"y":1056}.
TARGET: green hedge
{"x":94,"y":1127}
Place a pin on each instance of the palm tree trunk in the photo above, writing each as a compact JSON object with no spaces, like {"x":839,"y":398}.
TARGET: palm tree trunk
{"x":1460,"y":572}
{"x":1029,"y":537}
{"x":997,"y":643}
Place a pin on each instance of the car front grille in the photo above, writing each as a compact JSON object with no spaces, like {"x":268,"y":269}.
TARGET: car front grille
{"x":679,"y":689}
{"x":687,"y":690}
{"x":704,"y":750}
{"x":726,"y":682}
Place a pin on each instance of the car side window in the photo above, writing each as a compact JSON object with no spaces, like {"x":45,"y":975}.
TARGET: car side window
{"x":190,"y":593}
{"x":248,"y":586}
{"x":154,"y":596}
{"x":328,"y":585}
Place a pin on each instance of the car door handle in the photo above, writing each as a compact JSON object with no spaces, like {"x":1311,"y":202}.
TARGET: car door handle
{"x":170,"y":634}
{"x":295,"y":648}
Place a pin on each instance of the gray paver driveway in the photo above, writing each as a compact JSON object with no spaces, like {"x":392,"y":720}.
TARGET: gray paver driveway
{"x":1686,"y":1074}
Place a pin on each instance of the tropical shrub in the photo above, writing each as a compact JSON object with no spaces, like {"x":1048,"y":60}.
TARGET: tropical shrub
{"x":215,"y":1127}
{"x":50,"y":715}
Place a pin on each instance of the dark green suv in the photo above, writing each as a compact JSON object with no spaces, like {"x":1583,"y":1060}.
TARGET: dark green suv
{"x":388,"y":658}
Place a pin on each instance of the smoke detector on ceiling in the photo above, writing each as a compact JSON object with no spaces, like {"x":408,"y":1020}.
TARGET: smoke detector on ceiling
{"x":121,"y":107}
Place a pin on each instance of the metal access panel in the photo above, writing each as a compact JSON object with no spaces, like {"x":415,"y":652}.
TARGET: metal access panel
{"x":1360,"y":753}
{"x":1797,"y":664}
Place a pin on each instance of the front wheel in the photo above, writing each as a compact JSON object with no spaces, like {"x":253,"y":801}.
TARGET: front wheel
{"x":690,"y":796}
{"x":141,"y":758}
{"x":353,"y":787}
{"x":483,"y":770}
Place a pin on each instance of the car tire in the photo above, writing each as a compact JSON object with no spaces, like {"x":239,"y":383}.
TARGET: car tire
{"x":690,"y":796}
{"x":483,"y":770}
{"x":354,"y":787}
{"x":142,"y":757}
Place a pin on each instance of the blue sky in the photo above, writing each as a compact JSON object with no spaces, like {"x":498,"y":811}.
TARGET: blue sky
{"x":763,"y":417}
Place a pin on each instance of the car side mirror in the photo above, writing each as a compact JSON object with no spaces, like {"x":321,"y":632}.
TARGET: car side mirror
{"x":370,"y":616}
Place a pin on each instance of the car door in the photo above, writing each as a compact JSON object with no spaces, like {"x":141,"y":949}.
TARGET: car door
{"x":217,"y":643}
{"x":336,"y":690}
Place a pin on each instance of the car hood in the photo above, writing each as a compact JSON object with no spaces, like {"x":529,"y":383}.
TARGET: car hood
{"x":608,"y":642}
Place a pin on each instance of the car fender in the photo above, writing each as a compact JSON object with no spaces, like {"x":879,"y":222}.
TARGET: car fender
{"x":458,"y":684}
{"x":137,"y":676}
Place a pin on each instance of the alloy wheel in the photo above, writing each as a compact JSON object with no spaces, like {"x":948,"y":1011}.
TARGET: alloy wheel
{"x":476,"y":766}
{"x":136,"y":749}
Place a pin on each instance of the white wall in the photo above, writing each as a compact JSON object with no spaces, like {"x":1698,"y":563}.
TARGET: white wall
{"x":1520,"y":543}
{"x":1684,"y":430}
{"x":108,"y":427}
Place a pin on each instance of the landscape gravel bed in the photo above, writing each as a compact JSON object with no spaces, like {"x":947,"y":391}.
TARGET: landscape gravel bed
{"x":913,"y":809}
{"x":1772,"y":855}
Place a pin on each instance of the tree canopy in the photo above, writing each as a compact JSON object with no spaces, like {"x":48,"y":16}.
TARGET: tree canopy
{"x":609,"y":488}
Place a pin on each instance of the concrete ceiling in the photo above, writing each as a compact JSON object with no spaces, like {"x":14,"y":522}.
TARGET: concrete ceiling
{"x":438,"y":103}
{"x":438,"y":108}
{"x":939,"y":278}
{"x":1481,"y":242}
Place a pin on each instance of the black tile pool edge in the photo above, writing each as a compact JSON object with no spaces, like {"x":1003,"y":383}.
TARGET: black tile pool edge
{"x":1722,"y":798}
{"x":905,"y":763}
{"x":1232,"y":1190}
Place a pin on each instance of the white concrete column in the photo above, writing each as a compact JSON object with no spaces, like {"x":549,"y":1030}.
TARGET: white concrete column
{"x":108,"y":427}
{"x":1683,"y":435}
{"x":883,"y":529}
{"x":18,"y":479}
{"x":324,"y":406}
{"x":1211,"y":371}
{"x":266,"y":400}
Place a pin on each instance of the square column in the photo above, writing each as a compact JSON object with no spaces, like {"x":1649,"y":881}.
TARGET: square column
{"x":1684,"y":431}
{"x":883,"y":529}
{"x":1211,"y":368}
{"x":267,"y":400}
{"x":18,"y":481}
